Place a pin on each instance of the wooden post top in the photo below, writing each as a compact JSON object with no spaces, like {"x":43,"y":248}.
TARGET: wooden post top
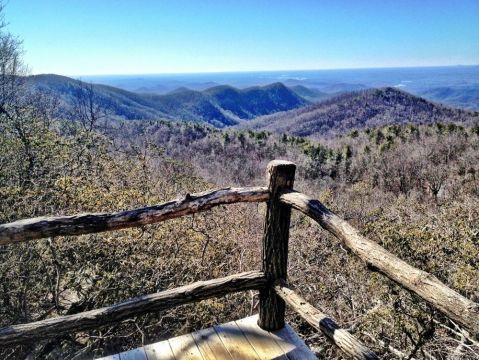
{"x":280,"y":163}
{"x":280,"y":174}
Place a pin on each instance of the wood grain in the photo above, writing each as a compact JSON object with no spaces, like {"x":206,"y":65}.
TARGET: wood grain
{"x":261,"y":340}
{"x":210,"y":345}
{"x":159,"y":351}
{"x":452,"y":304}
{"x":201,"y":290}
{"x":42,"y":227}
{"x":275,"y":243}
{"x":184,"y":348}
{"x":235,"y":342}
{"x":239,"y":340}
{"x":339,"y":337}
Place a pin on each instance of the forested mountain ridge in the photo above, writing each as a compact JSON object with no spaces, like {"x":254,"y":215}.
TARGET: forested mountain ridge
{"x":119,"y":103}
{"x":465,"y":97}
{"x":363,"y":109}
{"x":219,"y":106}
{"x":311,"y":94}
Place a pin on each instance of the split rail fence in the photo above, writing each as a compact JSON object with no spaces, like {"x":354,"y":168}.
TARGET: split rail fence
{"x":274,"y":291}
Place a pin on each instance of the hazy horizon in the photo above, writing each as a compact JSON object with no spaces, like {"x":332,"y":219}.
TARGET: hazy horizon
{"x":443,"y":80}
{"x":262,"y":71}
{"x":185,"y":37}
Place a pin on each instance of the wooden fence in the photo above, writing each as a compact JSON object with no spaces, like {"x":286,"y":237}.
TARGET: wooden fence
{"x":271,"y":281}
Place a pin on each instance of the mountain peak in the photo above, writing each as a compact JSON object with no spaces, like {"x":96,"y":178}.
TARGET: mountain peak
{"x":219,"y":105}
{"x":361,"y":109}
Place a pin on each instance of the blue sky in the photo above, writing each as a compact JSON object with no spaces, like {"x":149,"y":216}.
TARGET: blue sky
{"x":86,"y":37}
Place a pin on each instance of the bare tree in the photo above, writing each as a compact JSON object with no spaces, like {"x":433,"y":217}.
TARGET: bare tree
{"x":87,"y":108}
{"x":434,"y":178}
{"x":11,"y":70}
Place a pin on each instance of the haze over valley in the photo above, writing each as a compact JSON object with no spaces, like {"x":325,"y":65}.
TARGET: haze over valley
{"x":453,"y":85}
{"x":200,"y":97}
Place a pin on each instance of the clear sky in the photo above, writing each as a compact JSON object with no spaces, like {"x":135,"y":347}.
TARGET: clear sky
{"x":87,"y":37}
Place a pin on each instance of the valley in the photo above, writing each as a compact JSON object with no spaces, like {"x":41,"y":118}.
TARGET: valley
{"x":296,"y":110}
{"x":455,"y":86}
{"x":220,"y":105}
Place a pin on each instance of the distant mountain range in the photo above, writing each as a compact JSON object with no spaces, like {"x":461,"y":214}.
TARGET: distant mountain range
{"x":465,"y":97}
{"x":456,"y":86}
{"x":311,"y":94}
{"x":297,"y":109}
{"x":362,"y":109}
{"x":219,"y":105}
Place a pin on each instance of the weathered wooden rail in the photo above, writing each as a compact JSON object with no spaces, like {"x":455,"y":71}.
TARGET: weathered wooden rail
{"x":271,"y":282}
{"x":197,"y":291}
{"x":42,"y":227}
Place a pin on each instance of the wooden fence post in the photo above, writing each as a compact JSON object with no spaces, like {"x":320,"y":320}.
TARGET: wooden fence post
{"x":275,"y":244}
